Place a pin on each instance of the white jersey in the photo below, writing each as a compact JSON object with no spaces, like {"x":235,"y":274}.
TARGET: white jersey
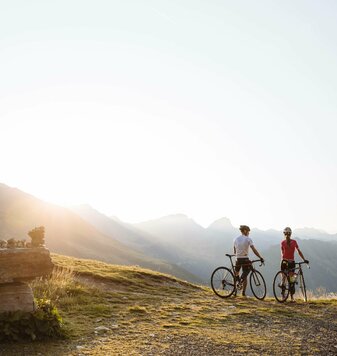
{"x":242,"y":244}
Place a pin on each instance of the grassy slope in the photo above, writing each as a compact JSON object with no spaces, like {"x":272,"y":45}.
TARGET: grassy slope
{"x":150,"y":313}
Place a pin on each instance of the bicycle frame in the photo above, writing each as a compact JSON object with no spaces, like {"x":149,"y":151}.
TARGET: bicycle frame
{"x":248,"y":264}
{"x":289,"y":271}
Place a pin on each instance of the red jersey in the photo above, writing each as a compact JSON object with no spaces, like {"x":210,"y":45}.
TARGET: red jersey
{"x":288,"y":252}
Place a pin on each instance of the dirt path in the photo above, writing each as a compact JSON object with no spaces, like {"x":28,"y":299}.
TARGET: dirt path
{"x":248,"y":326}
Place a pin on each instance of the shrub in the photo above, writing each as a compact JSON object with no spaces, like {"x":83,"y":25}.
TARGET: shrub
{"x":43,"y":323}
{"x":37,"y":236}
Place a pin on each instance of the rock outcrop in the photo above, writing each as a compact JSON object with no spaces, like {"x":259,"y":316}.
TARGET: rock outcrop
{"x":18,"y":266}
{"x":24,"y":264}
{"x":16,"y":296}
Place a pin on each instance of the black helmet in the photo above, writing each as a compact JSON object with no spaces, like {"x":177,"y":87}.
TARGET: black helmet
{"x":244,"y":228}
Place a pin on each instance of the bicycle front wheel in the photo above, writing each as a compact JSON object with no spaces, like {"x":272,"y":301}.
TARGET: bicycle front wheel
{"x":302,"y":287}
{"x":281,"y":286}
{"x":223,"y":282}
{"x":257,"y":284}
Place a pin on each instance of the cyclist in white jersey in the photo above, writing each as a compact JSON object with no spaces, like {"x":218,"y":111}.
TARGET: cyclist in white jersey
{"x":241,"y":250}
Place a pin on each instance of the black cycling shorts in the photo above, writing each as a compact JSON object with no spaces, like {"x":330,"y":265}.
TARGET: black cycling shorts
{"x":289,"y":265}
{"x":244,"y":262}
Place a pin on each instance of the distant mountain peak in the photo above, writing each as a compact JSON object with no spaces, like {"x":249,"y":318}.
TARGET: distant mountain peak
{"x":310,"y":230}
{"x":175,"y":221}
{"x":175,"y":216}
{"x":168,"y":219}
{"x":221,"y":224}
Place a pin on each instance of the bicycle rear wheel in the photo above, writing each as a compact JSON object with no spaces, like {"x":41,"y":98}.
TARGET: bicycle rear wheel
{"x":302,"y":287}
{"x":257,"y":284}
{"x":281,"y":286}
{"x":223,"y":282}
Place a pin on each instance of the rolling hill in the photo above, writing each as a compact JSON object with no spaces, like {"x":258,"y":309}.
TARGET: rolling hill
{"x":177,"y":241}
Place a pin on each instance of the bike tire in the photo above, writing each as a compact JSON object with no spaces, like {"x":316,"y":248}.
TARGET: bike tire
{"x":303,"y":287}
{"x":257,"y":284}
{"x":281,"y":286}
{"x":223,"y":282}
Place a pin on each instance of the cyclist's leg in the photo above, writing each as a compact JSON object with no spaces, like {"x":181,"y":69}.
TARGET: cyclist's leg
{"x":246,"y":267}
{"x":291,"y":265}
{"x":284,"y":268}
{"x":237,"y":268}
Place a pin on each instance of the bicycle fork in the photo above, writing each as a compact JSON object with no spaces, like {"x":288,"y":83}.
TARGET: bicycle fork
{"x":256,"y":279}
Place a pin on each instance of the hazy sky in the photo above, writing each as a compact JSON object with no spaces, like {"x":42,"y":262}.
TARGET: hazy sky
{"x":146,"y":108}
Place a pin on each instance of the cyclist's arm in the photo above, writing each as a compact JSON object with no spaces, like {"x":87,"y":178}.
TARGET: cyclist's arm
{"x":301,"y":254}
{"x":256,"y":251}
{"x":234,"y":250}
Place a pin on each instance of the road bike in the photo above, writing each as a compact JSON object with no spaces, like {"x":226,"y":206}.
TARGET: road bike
{"x":225,"y":283}
{"x":285,"y":282}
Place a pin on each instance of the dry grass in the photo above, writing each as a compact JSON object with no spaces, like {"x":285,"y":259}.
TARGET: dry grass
{"x":159,"y":315}
{"x":122,"y":276}
{"x":56,"y":286}
{"x":321,"y":294}
{"x":137,"y":309}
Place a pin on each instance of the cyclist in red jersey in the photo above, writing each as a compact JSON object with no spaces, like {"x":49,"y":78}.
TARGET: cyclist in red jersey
{"x":288,"y":247}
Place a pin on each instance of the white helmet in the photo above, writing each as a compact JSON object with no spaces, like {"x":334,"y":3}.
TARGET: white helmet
{"x":287,"y":230}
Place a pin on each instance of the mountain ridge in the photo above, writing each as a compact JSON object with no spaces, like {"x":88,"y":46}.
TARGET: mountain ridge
{"x":174,"y":244}
{"x":180,"y":240}
{"x":69,"y":234}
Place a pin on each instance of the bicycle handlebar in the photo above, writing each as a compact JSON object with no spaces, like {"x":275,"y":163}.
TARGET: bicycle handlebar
{"x":307,"y":263}
{"x":302,"y":263}
{"x":298,"y":263}
{"x":259,"y":260}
